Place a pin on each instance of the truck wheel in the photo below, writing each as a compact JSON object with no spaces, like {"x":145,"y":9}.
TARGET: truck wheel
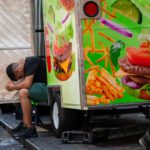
{"x":63,"y":119}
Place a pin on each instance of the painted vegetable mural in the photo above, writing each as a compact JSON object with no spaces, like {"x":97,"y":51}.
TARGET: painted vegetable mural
{"x":62,"y":53}
{"x":61,"y":31}
{"x":117,"y":54}
{"x":67,"y":4}
{"x":99,"y":60}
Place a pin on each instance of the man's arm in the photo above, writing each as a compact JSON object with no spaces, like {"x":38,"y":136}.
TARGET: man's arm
{"x":25,"y":84}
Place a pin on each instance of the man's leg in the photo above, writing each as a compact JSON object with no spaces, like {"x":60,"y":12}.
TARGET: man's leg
{"x":26,"y":107}
{"x":27,"y":130}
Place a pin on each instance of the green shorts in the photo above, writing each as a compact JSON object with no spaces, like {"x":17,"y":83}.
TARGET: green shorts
{"x":38,"y":92}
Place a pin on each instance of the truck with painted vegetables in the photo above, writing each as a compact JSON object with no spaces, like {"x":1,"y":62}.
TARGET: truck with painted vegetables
{"x":98,"y":57}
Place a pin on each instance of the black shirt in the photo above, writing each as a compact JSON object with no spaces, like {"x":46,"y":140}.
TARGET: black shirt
{"x":36,"y":66}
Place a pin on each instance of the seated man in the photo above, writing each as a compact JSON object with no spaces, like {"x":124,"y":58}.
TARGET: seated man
{"x":32,"y":72}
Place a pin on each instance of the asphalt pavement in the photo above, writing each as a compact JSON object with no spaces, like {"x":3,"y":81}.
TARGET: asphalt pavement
{"x":7,"y":142}
{"x":46,"y":140}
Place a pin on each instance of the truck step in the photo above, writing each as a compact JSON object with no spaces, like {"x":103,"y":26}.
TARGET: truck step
{"x":77,"y":137}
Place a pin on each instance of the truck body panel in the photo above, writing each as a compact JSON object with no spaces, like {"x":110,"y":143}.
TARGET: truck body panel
{"x":96,"y":45}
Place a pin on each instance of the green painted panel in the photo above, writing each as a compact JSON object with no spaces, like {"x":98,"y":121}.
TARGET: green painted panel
{"x":117,"y":53}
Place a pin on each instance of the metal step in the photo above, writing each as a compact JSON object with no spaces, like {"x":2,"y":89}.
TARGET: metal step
{"x":77,"y":137}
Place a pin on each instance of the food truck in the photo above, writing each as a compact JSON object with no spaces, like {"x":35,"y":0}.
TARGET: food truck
{"x":97,"y":53}
{"x":98,"y":56}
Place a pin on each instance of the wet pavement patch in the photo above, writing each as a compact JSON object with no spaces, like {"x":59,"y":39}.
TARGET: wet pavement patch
{"x":7,"y":142}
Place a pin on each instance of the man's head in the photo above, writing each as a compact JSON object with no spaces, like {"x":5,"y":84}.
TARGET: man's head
{"x":15,"y":71}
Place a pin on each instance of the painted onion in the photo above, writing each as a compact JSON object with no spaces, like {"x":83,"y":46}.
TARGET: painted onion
{"x":116,"y":27}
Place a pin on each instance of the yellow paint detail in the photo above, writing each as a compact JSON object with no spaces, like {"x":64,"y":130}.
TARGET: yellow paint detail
{"x":65,"y":64}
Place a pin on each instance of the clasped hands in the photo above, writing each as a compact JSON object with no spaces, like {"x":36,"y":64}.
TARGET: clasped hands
{"x":10,"y":86}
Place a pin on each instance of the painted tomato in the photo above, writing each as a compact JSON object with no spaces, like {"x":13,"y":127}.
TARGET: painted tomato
{"x":47,"y":49}
{"x":139,"y":56}
{"x":65,"y":47}
{"x":144,"y":95}
{"x":145,"y":44}
{"x":67,"y":4}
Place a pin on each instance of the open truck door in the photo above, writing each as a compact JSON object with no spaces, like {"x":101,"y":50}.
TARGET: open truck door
{"x":98,"y":56}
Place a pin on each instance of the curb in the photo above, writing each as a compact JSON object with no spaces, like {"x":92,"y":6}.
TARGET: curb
{"x":26,"y":143}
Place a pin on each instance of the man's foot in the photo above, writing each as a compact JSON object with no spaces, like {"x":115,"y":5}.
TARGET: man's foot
{"x":26,"y":132}
{"x":145,"y":140}
{"x":18,"y":128}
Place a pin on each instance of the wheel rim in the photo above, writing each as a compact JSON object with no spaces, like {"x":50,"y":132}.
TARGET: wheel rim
{"x":55,"y":115}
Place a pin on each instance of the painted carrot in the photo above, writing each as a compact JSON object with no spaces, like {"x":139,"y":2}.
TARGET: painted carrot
{"x":106,"y":37}
{"x":107,"y":12}
{"x":102,"y":58}
{"x":92,"y":40}
{"x":84,"y":31}
{"x":97,"y":51}
{"x":96,"y":67}
{"x":112,"y":67}
{"x":86,"y":57}
{"x":102,"y":45}
{"x":86,"y":22}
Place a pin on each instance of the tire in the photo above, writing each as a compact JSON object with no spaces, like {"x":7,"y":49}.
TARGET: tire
{"x":63,"y":119}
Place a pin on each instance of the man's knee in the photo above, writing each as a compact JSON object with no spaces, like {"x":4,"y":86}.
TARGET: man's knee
{"x":23,"y":93}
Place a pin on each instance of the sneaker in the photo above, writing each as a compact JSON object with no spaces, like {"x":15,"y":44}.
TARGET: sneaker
{"x":145,"y":141}
{"x":18,"y":128}
{"x":26,"y":132}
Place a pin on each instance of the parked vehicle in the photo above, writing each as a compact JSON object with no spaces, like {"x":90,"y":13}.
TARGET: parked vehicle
{"x":97,"y":54}
{"x":98,"y":57}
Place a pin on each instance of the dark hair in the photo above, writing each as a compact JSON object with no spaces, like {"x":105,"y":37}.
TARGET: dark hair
{"x":10,"y":70}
